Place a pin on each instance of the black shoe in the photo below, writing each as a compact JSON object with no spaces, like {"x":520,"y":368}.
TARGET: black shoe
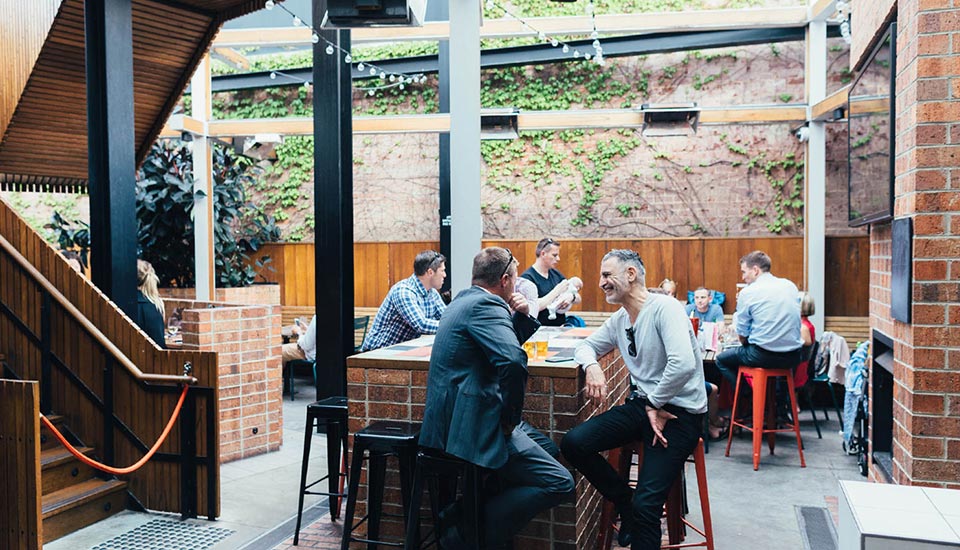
{"x":625,"y":534}
{"x":450,"y":539}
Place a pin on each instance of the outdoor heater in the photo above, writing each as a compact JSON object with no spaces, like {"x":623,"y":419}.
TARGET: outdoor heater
{"x":499,"y":123}
{"x":679,"y":119}
{"x":373,"y":13}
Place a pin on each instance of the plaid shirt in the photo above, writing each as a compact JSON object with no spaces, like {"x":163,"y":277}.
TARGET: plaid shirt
{"x":409,"y":311}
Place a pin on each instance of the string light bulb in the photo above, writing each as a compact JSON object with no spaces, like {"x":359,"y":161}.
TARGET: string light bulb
{"x":273,"y":75}
{"x":329,"y":49}
{"x":269,"y":4}
{"x":565,"y":48}
{"x":554,"y":42}
{"x":297,"y":21}
{"x":347,"y":58}
{"x":315,"y":38}
{"x":360,"y":67}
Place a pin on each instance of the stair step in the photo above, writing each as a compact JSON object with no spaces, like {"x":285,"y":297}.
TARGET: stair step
{"x":47,"y":439}
{"x":77,"y":506}
{"x":61,"y":469}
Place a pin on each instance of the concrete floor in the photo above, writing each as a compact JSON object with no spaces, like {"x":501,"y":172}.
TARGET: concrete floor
{"x":750,"y":510}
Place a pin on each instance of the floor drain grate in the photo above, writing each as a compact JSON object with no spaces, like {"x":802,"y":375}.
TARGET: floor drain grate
{"x":816,"y":527}
{"x":165,"y":534}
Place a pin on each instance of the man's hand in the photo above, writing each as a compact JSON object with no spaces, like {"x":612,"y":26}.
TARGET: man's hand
{"x":596,"y":383}
{"x":658,"y":421}
{"x":519,"y":303}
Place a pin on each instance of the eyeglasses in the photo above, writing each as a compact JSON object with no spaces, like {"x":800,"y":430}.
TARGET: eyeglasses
{"x":509,"y":263}
{"x":632,"y":348}
{"x":436,"y":256}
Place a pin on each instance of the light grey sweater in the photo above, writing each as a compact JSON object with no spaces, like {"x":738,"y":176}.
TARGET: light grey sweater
{"x":668,"y":367}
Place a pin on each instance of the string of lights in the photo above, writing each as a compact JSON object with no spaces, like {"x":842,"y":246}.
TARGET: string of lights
{"x":596,"y":56}
{"x":389,"y":79}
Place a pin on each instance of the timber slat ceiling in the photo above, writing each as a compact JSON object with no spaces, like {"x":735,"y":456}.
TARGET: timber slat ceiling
{"x":44,"y":146}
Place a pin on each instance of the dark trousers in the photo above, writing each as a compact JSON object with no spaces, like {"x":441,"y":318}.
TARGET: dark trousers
{"x":531,"y":481}
{"x":728,"y":362}
{"x":661,"y":465}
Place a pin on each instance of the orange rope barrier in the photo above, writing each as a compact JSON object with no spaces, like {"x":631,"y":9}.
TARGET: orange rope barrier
{"x":110,"y":469}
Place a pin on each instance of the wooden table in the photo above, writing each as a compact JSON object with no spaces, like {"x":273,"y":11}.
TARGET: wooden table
{"x":390,"y":384}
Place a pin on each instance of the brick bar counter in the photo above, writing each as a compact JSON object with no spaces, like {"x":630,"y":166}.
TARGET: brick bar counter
{"x":391,"y":384}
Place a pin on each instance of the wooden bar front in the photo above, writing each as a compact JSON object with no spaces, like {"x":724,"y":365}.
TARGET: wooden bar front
{"x":391,"y":384}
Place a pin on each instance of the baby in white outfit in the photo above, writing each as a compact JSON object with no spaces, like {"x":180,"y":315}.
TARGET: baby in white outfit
{"x":574,"y":284}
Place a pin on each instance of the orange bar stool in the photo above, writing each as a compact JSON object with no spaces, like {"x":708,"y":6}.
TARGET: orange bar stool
{"x":622,"y":460}
{"x":762,"y":402}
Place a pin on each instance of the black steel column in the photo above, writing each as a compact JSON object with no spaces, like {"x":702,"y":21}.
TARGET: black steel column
{"x":333,"y":207}
{"x":439,"y":10}
{"x":112,"y":159}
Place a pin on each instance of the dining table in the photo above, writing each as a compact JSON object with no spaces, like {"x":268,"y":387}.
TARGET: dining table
{"x":391,"y":384}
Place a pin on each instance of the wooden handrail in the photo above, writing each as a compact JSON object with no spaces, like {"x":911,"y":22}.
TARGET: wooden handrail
{"x":89,"y":326}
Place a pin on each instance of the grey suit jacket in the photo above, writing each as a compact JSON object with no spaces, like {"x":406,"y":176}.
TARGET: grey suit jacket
{"x":477,"y":379}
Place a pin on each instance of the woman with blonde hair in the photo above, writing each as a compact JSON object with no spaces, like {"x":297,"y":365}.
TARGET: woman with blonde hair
{"x":149,"y":304}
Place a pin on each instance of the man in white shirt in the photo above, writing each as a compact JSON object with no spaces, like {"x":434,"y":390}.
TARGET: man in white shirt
{"x":767,"y":321}
{"x":656,"y":341}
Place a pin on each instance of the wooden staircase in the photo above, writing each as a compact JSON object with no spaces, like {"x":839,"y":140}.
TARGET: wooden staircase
{"x":73,"y":496}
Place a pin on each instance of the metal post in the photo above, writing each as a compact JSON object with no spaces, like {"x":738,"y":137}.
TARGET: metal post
{"x":438,"y":10}
{"x":109,"y":451}
{"x":333,"y":207}
{"x":816,"y":187}
{"x":111,"y":149}
{"x":203,"y":248}
{"x":464,"y":63}
{"x":46,"y":367}
{"x":188,"y":457}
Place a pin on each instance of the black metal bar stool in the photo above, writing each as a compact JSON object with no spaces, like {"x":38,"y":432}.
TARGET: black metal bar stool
{"x":331,"y":413}
{"x":377,"y":442}
{"x":445,"y":473}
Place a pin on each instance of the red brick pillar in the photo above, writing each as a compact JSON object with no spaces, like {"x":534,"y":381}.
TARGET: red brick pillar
{"x":926,"y":408}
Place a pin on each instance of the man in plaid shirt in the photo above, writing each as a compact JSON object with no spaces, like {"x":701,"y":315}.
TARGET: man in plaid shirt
{"x":413,"y":306}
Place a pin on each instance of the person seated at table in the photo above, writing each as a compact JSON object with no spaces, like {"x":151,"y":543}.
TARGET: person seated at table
{"x":412,"y":307}
{"x":305,"y":348}
{"x":550,"y":282}
{"x":669,"y":287}
{"x":767,"y":321}
{"x":665,"y":411}
{"x":475,"y":391}
{"x":808,"y":335}
{"x":149,"y":304}
{"x":703,"y":309}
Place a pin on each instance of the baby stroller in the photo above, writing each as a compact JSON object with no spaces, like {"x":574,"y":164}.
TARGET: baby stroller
{"x":855,"y":408}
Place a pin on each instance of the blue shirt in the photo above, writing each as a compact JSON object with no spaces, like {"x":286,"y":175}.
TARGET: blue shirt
{"x":768,"y":314}
{"x":714,"y":313}
{"x":409,"y":311}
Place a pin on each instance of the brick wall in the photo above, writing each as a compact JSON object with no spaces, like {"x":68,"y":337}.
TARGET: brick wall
{"x":247,"y":342}
{"x":926,"y":446}
{"x":867,"y":17}
{"x":254,"y":294}
{"x":554,"y":405}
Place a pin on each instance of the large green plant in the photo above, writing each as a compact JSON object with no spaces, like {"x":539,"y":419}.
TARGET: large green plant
{"x":165,"y":200}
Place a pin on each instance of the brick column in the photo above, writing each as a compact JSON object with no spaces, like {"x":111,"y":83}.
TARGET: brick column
{"x":926,"y":444}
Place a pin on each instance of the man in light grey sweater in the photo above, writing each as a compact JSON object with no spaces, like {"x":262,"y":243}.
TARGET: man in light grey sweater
{"x":664,"y":411}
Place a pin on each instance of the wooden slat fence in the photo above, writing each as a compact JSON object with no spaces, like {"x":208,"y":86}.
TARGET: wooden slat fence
{"x":692,"y":262}
{"x":156,"y":485}
{"x":20,"y":518}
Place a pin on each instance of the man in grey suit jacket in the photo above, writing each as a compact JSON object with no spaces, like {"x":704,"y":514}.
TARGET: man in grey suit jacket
{"x":475,"y":391}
